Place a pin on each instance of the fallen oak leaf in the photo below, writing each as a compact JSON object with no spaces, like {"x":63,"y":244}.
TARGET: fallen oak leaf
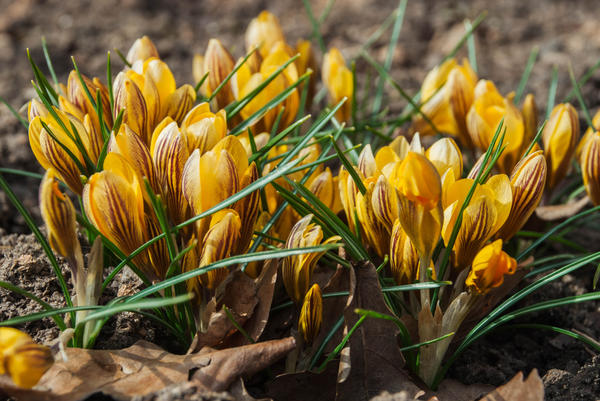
{"x":145,"y":368}
{"x":255,"y":325}
{"x":566,"y":210}
{"x":374,"y":363}
{"x":517,"y":389}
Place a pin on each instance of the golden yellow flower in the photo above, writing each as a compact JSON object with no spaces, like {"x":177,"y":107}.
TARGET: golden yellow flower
{"x":219,"y":63}
{"x":418,"y":185}
{"x":247,"y":79}
{"x":21,"y":358}
{"x":78,"y":104}
{"x":141,"y":50}
{"x":311,"y":314}
{"x":445,"y":154}
{"x":560,"y":137}
{"x":589,"y":132}
{"x":51,"y":149}
{"x":204,"y":128}
{"x":530,"y":119}
{"x":527,"y":182}
{"x":297,"y":270}
{"x":447,"y":94}
{"x":590,"y":167}
{"x":337,"y":78}
{"x":147,"y":93}
{"x":404,"y":258}
{"x":220,"y":242}
{"x":482,"y":218}
{"x":169,"y":151}
{"x":489,"y":267}
{"x":59,"y":215}
{"x":490,"y":109}
{"x":263,"y":31}
{"x":377,"y":233}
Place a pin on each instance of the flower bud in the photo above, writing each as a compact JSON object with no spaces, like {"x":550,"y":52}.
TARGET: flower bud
{"x":297,"y":270}
{"x":447,"y":94}
{"x":21,"y":358}
{"x":560,"y":137}
{"x":404,"y":259}
{"x":590,"y":167}
{"x":485,"y":214}
{"x":263,"y":31}
{"x":589,"y":132}
{"x":59,"y":215}
{"x":530,"y":118}
{"x":487,"y":112}
{"x":337,"y":78}
{"x":311,"y":314}
{"x":417,"y":183}
{"x":219,"y":243}
{"x":527,"y":182}
{"x":219,"y":63}
{"x":141,"y":50}
{"x":489,"y":267}
{"x":445,"y":154}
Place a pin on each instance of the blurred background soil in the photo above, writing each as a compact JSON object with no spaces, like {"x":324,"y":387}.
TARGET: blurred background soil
{"x":565,"y":31}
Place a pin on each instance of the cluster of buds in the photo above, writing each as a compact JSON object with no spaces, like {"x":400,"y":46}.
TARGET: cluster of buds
{"x":414,"y":198}
{"x":155,"y":149}
{"x":297,"y":274}
{"x":457,"y":104}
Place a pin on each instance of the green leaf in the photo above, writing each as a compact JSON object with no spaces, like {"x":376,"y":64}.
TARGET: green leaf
{"x":231,"y":261}
{"x":552,"y":92}
{"x":18,"y":290}
{"x":526,"y":73}
{"x":389,"y":57}
{"x":471,"y":47}
{"x":586,"y":111}
{"x":349,"y":168}
{"x":41,"y":239}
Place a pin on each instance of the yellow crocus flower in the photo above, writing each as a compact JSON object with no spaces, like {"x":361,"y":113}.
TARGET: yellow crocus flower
{"x":311,"y":314}
{"x":490,"y":109}
{"x":447,"y":94}
{"x":297,"y":270}
{"x":489,"y":267}
{"x":21,"y":358}
{"x":218,"y":63}
{"x":337,"y":78}
{"x":482,"y":218}
{"x":560,"y":137}
{"x":527,"y":182}
{"x":263,"y":31}
{"x":590,"y":167}
{"x":418,"y":185}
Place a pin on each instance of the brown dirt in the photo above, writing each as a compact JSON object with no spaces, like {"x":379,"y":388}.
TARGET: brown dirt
{"x":564,"y":30}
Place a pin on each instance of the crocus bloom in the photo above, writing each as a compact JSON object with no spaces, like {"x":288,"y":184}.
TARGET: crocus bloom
{"x":311,"y":314}
{"x":527,"y":182}
{"x":486,"y":213}
{"x":489,"y":267}
{"x":337,"y":78}
{"x":490,"y":109}
{"x":297,"y":270}
{"x":560,"y":137}
{"x":21,"y":358}
{"x":590,"y":167}
{"x":447,"y":94}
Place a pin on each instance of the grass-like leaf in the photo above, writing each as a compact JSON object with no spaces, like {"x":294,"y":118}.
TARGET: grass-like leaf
{"x":526,"y":73}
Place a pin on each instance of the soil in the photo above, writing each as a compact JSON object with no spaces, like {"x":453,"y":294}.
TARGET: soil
{"x":565,"y":31}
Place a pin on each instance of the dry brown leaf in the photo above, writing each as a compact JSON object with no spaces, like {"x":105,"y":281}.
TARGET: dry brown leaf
{"x":375,"y":361}
{"x":556,"y":212}
{"x":249,"y":301}
{"x":145,"y":368}
{"x":517,"y":389}
{"x":265,"y":286}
